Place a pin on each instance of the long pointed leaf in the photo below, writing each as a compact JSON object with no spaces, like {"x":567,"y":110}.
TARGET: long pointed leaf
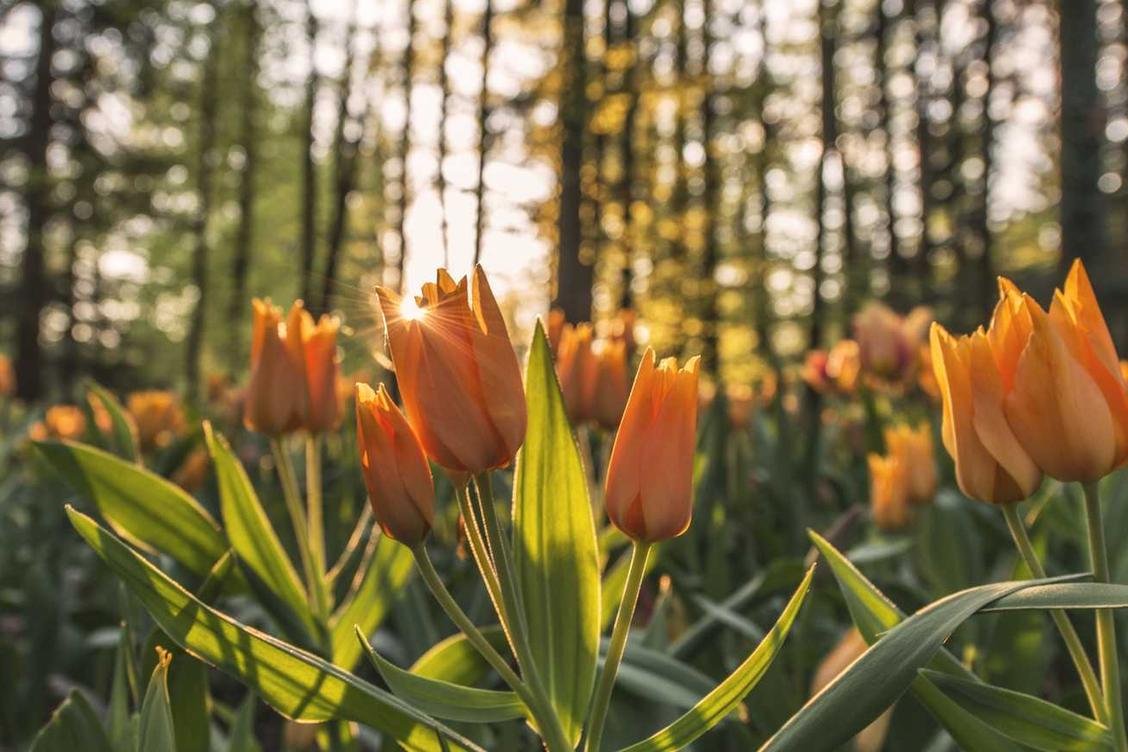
{"x":156,"y":732}
{"x":73,"y":726}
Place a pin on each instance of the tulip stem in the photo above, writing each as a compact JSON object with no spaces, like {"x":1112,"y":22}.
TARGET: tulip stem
{"x":290,"y":493}
{"x":314,"y":503}
{"x":1106,"y":623}
{"x":542,"y":713}
{"x":618,"y":645}
{"x":480,"y":552}
{"x":1061,"y":620}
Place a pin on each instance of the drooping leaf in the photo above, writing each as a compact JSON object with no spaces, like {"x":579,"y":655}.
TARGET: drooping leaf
{"x":727,"y":695}
{"x":123,"y":439}
{"x":555,"y":550}
{"x":73,"y":726}
{"x":444,"y":699}
{"x":156,"y":730}
{"x":1075,"y":595}
{"x":1024,"y":718}
{"x":298,"y":684}
{"x":143,"y":508}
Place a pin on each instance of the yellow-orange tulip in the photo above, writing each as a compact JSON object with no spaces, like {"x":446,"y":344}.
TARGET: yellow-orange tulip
{"x":844,"y":366}
{"x":158,"y":416}
{"x":276,"y":397}
{"x":889,"y":491}
{"x":913,"y":448}
{"x":193,"y":471}
{"x":1124,"y":370}
{"x":1065,"y":398}
{"x":457,"y":372}
{"x":991,"y":463}
{"x":395,"y":469}
{"x":7,"y":377}
{"x":319,"y":350}
{"x":849,"y":649}
{"x":649,"y":484}
{"x":60,"y":422}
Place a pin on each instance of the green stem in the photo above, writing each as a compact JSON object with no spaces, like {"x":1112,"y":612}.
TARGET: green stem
{"x":480,"y":552}
{"x":618,"y":645}
{"x":544,"y":716}
{"x":1106,"y":623}
{"x":314,"y":502}
{"x":517,"y":629}
{"x":1065,"y":626}
{"x":290,"y":493}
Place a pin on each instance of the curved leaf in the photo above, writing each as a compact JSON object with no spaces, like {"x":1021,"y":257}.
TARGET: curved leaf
{"x":123,"y":438}
{"x":383,"y":573}
{"x":555,"y":550}
{"x":145,"y":509}
{"x":728,"y":694}
{"x":1076,"y":595}
{"x":443,"y":699}
{"x":456,"y":660}
{"x":300,"y":685}
{"x":74,"y":725}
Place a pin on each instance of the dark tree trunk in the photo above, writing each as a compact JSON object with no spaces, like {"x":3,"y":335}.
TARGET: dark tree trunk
{"x":921,"y":263}
{"x":759,"y":276}
{"x":444,"y":96}
{"x":984,"y":279}
{"x":407,"y":75}
{"x":309,"y":169}
{"x":483,"y":131}
{"x":207,"y":115}
{"x":574,"y":272}
{"x":33,"y":272}
{"x":627,"y":148}
{"x":898,"y":269}
{"x":827,"y":40}
{"x":1082,"y":128}
{"x":248,"y":140}
{"x":710,"y":355}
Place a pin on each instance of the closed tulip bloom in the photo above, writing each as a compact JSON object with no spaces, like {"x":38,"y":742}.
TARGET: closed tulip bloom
{"x":882,"y":347}
{"x":889,"y":491}
{"x":612,"y":385}
{"x":7,"y":377}
{"x":913,"y":447}
{"x":60,"y":422}
{"x":158,"y":416}
{"x":991,"y":464}
{"x":457,"y":372}
{"x":649,"y":484}
{"x":577,"y":369}
{"x":319,"y":350}
{"x":395,"y":468}
{"x":1055,"y":405}
{"x":276,"y":396}
{"x":844,"y":365}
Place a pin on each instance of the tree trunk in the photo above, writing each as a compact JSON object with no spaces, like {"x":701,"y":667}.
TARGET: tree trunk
{"x":897,"y":267}
{"x":33,"y":272}
{"x":827,"y":18}
{"x":248,"y":140}
{"x":985,"y":267}
{"x":309,"y":169}
{"x":207,"y":115}
{"x":574,"y":273}
{"x":920,"y":266}
{"x":631,"y":88}
{"x":710,"y":355}
{"x":483,"y":131}
{"x":444,"y":95}
{"x":407,"y":76}
{"x":1082,"y":128}
{"x":759,"y":276}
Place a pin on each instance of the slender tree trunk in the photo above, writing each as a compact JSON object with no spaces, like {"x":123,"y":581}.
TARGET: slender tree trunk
{"x":408,"y":75}
{"x":574,"y":273}
{"x":921,"y":263}
{"x":896,"y":262}
{"x":483,"y":131}
{"x":759,"y":276}
{"x":1082,"y":128}
{"x":627,"y":149}
{"x":985,"y":267}
{"x":710,"y":355}
{"x":444,"y":94}
{"x":345,"y":148}
{"x":248,"y":140}
{"x":33,"y":272}
{"x":827,"y":17}
{"x":207,"y":115}
{"x":309,"y":169}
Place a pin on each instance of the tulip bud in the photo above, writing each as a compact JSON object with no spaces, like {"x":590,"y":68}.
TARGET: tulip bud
{"x":7,"y":377}
{"x":611,"y":388}
{"x":576,"y":368}
{"x":158,"y":416}
{"x":844,"y":365}
{"x":319,"y":349}
{"x":59,"y":422}
{"x":649,"y":484}
{"x":276,"y":397}
{"x":457,"y":372}
{"x":889,"y":491}
{"x":395,"y":468}
{"x":913,"y":448}
{"x":556,"y":325}
{"x":991,"y":464}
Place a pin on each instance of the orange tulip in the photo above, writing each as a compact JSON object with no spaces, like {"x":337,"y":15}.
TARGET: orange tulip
{"x":649,"y":484}
{"x":556,"y":324}
{"x":991,"y":463}
{"x":1124,"y":370}
{"x":1065,"y":397}
{"x":913,"y":448}
{"x":158,"y":416}
{"x":395,"y":468}
{"x":576,"y":368}
{"x":612,"y":387}
{"x":319,"y":349}
{"x":457,"y":372}
{"x":193,"y":471}
{"x":59,"y":422}
{"x":843,"y":365}
{"x":7,"y":377}
{"x":889,"y":344}
{"x":889,"y":491}
{"x":276,"y":397}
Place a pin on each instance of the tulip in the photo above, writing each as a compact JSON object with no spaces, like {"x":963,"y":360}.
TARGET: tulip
{"x":276,"y":396}
{"x":395,"y":468}
{"x":576,"y":368}
{"x":319,"y":349}
{"x":59,"y":422}
{"x":991,"y":464}
{"x":158,"y":416}
{"x":889,"y":344}
{"x":1065,"y":399}
{"x":814,"y":372}
{"x":612,"y":385}
{"x":913,"y":448}
{"x":849,"y":649}
{"x":457,"y":372}
{"x":7,"y":377}
{"x":193,"y":471}
{"x":889,"y":491}
{"x":556,"y":324}
{"x":649,"y":483}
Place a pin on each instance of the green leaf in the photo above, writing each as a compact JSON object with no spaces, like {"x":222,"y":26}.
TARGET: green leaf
{"x":555,"y":550}
{"x":73,"y":726}
{"x":659,"y":677}
{"x":456,"y":660}
{"x":118,"y":716}
{"x":443,"y":699}
{"x":382,"y":576}
{"x":1024,"y":718}
{"x":727,"y":695}
{"x":123,"y":439}
{"x":249,"y":530}
{"x":156,"y":732}
{"x":143,"y":508}
{"x":242,"y":735}
{"x":300,"y":685}
{"x":1075,"y":595}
